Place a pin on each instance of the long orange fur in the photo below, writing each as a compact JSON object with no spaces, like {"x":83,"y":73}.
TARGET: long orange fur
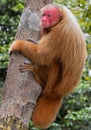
{"x":60,"y":57}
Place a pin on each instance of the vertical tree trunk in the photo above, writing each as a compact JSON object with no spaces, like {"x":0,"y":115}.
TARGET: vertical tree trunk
{"x":20,"y":90}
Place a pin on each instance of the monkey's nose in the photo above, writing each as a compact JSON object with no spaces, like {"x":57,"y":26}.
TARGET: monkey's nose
{"x":44,"y":19}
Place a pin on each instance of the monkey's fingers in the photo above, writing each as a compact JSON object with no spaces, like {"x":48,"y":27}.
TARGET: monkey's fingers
{"x":14,"y":47}
{"x":26,"y":67}
{"x":23,"y":69}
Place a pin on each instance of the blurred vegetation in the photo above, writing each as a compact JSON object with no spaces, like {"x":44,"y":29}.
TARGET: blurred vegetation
{"x":75,"y":113}
{"x":10,"y":12}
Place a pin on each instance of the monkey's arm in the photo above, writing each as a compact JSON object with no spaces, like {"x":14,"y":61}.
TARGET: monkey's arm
{"x":34,"y":52}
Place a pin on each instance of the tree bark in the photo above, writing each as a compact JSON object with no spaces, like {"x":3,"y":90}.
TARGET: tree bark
{"x":20,"y":90}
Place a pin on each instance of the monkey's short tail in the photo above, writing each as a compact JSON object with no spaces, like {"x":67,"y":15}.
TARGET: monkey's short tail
{"x":45,"y":111}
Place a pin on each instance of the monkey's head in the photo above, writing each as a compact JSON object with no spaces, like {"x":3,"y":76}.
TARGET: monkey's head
{"x":50,"y":16}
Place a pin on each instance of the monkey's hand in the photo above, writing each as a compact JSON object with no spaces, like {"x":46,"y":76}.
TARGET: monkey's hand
{"x":15,"y":46}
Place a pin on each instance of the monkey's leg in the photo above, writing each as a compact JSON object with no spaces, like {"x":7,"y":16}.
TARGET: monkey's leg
{"x":32,"y":68}
{"x":53,"y":79}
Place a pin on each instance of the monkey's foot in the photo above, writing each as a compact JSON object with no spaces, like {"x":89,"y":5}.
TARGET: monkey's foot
{"x":26,"y":67}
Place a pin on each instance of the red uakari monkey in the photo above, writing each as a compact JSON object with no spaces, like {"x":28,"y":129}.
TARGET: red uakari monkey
{"x":59,"y":59}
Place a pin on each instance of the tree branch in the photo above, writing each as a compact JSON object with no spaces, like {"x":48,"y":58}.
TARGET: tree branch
{"x":20,"y":90}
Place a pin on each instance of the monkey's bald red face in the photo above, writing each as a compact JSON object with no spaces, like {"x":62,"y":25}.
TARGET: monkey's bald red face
{"x":49,"y":17}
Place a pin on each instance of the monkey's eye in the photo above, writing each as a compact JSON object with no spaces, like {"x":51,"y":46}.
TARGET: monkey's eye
{"x":49,"y":15}
{"x":43,"y":15}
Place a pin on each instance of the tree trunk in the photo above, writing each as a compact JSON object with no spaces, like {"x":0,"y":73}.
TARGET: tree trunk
{"x":20,"y":90}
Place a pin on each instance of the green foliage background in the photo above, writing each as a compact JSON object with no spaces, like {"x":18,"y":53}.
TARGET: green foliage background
{"x":75,"y":113}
